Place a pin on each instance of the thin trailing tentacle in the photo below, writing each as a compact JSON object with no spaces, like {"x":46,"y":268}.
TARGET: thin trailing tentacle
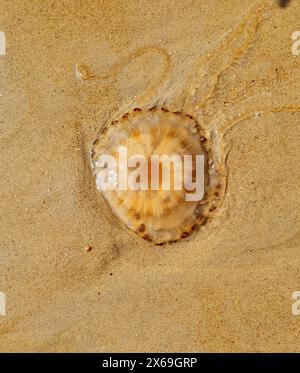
{"x":254,"y":106}
{"x":153,"y":92}
{"x":232,"y":48}
{"x":215,"y":132}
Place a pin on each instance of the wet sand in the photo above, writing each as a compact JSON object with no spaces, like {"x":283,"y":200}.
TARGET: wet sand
{"x":229,"y":287}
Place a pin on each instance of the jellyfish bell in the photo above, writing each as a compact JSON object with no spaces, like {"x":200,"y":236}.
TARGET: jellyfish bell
{"x":156,"y":170}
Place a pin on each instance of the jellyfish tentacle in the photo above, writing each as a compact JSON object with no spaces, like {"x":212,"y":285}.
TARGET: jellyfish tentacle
{"x":152,"y":93}
{"x":218,"y":128}
{"x":230,"y":50}
{"x":253,"y":106}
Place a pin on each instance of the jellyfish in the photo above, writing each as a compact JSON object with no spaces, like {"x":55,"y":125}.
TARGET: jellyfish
{"x":170,"y":118}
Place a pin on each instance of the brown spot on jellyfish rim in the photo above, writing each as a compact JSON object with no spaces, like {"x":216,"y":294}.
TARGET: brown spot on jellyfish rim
{"x":148,"y":213}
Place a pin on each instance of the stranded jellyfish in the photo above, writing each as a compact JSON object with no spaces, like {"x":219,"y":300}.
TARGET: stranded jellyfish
{"x":169,"y":148}
{"x":174,"y":117}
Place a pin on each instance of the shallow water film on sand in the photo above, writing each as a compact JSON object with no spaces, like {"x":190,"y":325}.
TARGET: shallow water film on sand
{"x":191,"y":241}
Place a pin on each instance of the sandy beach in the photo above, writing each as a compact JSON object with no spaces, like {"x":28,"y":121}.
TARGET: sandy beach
{"x":227,"y":288}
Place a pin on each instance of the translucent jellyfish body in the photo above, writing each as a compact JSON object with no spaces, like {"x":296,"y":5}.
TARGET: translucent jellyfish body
{"x":163,"y":214}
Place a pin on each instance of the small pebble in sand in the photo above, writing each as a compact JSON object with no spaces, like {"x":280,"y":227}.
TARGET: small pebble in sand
{"x":88,"y":248}
{"x":82,"y":72}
